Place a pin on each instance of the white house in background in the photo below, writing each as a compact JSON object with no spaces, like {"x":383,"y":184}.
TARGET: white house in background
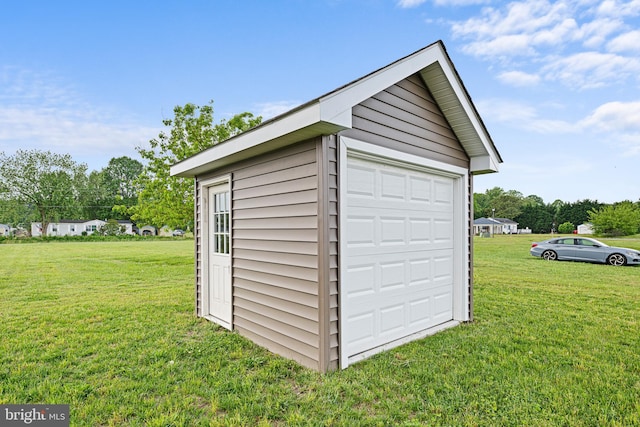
{"x":494,"y":226}
{"x":128,"y":226}
{"x":75,"y":227}
{"x":586,"y":228}
{"x":5,"y":230}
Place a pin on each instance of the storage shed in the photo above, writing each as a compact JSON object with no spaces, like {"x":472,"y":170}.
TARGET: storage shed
{"x":344,"y":227}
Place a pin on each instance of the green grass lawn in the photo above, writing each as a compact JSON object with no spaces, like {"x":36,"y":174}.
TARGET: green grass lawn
{"x":109,"y":328}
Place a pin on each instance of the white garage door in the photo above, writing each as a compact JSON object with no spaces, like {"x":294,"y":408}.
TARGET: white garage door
{"x":398,"y":269}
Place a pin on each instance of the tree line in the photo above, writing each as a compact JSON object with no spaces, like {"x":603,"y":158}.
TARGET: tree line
{"x":616,"y":219}
{"x":41,"y":186}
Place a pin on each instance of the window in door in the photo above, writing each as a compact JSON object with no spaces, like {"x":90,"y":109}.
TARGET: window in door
{"x":221,"y":224}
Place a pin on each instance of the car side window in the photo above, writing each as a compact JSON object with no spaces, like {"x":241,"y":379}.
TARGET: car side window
{"x":586,"y":242}
{"x":566,"y":241}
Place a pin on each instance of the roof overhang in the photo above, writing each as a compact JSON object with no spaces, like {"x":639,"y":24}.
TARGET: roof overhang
{"x":332,"y":113}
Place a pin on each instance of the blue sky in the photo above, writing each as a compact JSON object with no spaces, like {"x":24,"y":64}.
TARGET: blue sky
{"x":556,"y":83}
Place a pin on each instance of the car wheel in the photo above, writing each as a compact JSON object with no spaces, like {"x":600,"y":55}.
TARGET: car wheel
{"x":616,"y":259}
{"x":549,"y":255}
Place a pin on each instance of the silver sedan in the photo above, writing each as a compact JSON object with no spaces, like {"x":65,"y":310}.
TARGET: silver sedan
{"x":584,"y":249}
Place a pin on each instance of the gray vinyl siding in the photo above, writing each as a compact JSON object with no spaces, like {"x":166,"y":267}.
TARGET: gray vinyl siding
{"x":405,"y":117}
{"x":275,"y":253}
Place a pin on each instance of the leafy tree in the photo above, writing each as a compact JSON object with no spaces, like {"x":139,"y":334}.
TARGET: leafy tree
{"x":120,"y":176}
{"x":538,"y":218}
{"x":496,"y":202}
{"x":112,"y":186}
{"x":555,"y":207}
{"x":95,"y":198}
{"x":620,"y":219}
{"x":167,"y":200}
{"x":483,"y":202}
{"x":507,"y":205}
{"x":111,"y":228}
{"x":16,"y":213}
{"x":566,"y":228}
{"x":577,"y":212}
{"x":532,"y":200}
{"x":47,"y":181}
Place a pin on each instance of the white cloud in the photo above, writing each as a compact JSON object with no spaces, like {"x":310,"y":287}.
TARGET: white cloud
{"x":37,"y":111}
{"x":627,"y":42}
{"x":594,"y":34}
{"x":459,"y":2}
{"x":616,"y":117}
{"x":269,"y":110}
{"x":518,"y":78}
{"x":406,"y":4}
{"x":507,"y":45}
{"x":587,"y":70}
{"x":563,"y":41}
{"x":537,"y":22}
{"x":619,"y":122}
{"x":619,"y":8}
{"x":68,"y":131}
{"x":522,"y":116}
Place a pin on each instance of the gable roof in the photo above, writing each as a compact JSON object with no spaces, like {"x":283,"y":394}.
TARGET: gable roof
{"x":493,"y":221}
{"x":332,"y":113}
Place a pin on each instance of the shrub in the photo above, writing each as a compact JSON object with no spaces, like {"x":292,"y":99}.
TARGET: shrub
{"x":620,"y":219}
{"x":566,"y":228}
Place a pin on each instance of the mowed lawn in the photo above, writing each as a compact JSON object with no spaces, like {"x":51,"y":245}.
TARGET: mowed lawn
{"x":109,"y":328}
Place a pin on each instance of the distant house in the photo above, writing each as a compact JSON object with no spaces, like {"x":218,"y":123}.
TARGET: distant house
{"x":5,"y":230}
{"x":75,"y":227}
{"x":128,"y":226}
{"x":494,"y":226}
{"x":148,"y":230}
{"x":165,"y":231}
{"x":586,"y":228}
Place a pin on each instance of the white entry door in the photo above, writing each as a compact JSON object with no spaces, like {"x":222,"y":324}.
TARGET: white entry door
{"x":398,"y":253}
{"x":219,"y":255}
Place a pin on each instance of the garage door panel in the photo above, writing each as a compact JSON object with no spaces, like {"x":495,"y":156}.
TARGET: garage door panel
{"x":361,"y":181}
{"x":392,"y":318}
{"x":361,"y":330}
{"x":398,"y":265}
{"x":420,"y":189}
{"x":442,"y":272}
{"x":361,"y":230}
{"x":420,"y":311}
{"x":400,"y":250}
{"x":362,"y":279}
{"x":396,"y":318}
{"x":443,"y":231}
{"x":399,"y":274}
{"x":392,"y":230}
{"x":392,"y":276}
{"x":443,"y":192}
{"x":396,"y":205}
{"x":392,"y":186}
{"x":442,"y":302}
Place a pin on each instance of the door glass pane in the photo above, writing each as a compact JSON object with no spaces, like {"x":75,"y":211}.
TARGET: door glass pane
{"x":221,"y":227}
